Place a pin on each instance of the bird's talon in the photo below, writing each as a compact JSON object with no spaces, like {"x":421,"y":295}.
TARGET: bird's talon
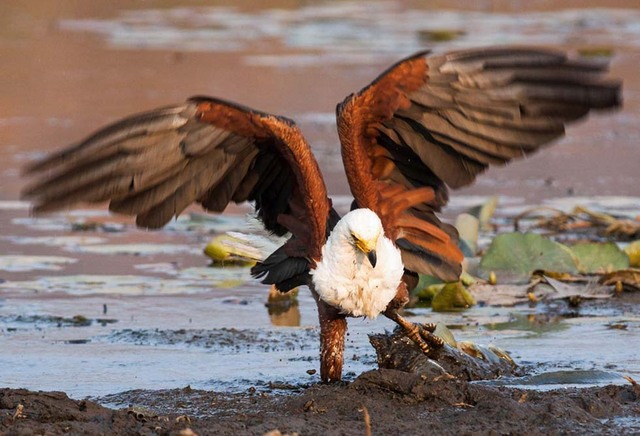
{"x":424,"y":347}
{"x":426,"y":335}
{"x":422,"y":336}
{"x":429,"y":326}
{"x":435,"y":341}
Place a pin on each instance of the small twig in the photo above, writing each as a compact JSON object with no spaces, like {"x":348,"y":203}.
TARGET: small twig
{"x":367,"y":420}
{"x":445,"y":376}
{"x":526,"y":213}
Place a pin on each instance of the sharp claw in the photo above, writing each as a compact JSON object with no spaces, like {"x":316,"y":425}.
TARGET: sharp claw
{"x":430,"y":326}
{"x":432,"y":339}
{"x":420,"y":334}
{"x":424,"y":347}
{"x":415,"y":333}
{"x":426,"y":334}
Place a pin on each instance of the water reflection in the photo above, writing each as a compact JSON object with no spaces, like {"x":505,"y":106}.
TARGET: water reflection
{"x":532,"y":322}
{"x":283,"y":308}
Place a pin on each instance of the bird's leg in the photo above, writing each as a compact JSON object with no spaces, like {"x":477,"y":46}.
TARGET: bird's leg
{"x":420,"y":334}
{"x":333,"y":327}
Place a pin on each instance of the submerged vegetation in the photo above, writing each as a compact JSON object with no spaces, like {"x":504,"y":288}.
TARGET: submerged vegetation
{"x":595,"y":259}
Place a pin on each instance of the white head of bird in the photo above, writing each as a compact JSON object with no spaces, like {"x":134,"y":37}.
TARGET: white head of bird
{"x":360,"y":268}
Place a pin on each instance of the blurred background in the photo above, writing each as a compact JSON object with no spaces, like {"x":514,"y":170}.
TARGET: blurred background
{"x":71,"y":66}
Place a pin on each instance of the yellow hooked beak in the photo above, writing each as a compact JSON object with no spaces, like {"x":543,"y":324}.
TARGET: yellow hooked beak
{"x":369,"y":250}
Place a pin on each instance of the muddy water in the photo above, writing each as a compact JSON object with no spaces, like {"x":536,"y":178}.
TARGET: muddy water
{"x":152,"y":314}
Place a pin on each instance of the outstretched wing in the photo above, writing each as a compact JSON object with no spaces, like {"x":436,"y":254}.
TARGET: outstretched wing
{"x":432,"y":122}
{"x":155,"y":164}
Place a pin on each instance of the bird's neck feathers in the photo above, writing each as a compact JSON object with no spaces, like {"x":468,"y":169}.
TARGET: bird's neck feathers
{"x":345,"y":278}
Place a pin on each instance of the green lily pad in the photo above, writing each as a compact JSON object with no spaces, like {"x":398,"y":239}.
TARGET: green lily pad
{"x":452,"y":297}
{"x":514,"y":256}
{"x":598,"y":258}
{"x":443,"y":332}
{"x":427,"y":293}
{"x":427,"y":288}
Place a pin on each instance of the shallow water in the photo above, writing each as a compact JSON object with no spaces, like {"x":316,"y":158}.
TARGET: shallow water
{"x":152,"y":319}
{"x":153,"y":314}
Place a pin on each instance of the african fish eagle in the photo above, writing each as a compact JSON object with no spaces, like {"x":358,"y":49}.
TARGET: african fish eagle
{"x":426,"y":124}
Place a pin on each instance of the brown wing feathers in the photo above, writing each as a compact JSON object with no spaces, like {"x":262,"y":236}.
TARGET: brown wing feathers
{"x":440,"y":121}
{"x":499,"y":104}
{"x":154,"y":165}
{"x":369,"y":145}
{"x":425,"y":124}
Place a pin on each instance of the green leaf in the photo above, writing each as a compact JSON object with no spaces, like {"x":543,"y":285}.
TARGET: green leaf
{"x":514,"y":256}
{"x":484,"y":212}
{"x":427,"y":288}
{"x":443,"y":332}
{"x":453,"y":296}
{"x":633,"y":251}
{"x":227,"y":249}
{"x":468,"y":227}
{"x":598,"y":258}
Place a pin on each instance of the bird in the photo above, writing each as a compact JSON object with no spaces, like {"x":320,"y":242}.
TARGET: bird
{"x":427,"y":124}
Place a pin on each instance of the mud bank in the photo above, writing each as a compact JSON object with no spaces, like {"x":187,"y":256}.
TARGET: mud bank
{"x":391,"y":401}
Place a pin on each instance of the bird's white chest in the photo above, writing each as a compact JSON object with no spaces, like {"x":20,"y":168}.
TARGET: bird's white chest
{"x":345,"y":278}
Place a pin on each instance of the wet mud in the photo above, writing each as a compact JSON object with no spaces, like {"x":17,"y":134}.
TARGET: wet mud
{"x":408,"y":393}
{"x":221,"y":339}
{"x":384,"y":401}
